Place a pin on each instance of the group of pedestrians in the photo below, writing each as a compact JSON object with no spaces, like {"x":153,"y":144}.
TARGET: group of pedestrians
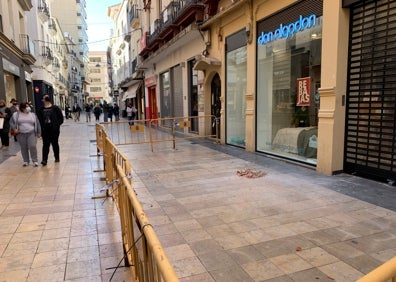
{"x":27,"y":127}
{"x":109,"y":111}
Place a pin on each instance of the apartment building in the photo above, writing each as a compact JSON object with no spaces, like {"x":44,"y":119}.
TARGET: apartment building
{"x":71,"y":15}
{"x":47,"y":75}
{"x":124,"y":50}
{"x":308,"y":81}
{"x":98,"y":78}
{"x":16,"y":51}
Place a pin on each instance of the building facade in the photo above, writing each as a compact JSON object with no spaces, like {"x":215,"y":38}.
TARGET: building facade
{"x":124,"y":50}
{"x":308,"y":81}
{"x":73,"y":21}
{"x":98,"y":78}
{"x":17,"y":53}
{"x":315,"y":99}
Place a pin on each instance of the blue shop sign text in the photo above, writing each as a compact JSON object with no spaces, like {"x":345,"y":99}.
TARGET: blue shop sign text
{"x":285,"y":31}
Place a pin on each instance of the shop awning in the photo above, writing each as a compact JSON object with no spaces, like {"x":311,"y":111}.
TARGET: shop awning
{"x":205,"y":62}
{"x":131,"y":92}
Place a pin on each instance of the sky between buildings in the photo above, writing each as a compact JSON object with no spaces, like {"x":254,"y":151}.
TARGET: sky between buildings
{"x":99,"y":24}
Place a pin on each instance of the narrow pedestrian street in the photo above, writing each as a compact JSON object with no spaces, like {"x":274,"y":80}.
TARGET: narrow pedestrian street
{"x":221,"y":214}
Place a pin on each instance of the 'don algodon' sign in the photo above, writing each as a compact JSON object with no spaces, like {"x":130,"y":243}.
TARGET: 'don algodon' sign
{"x":286,"y":31}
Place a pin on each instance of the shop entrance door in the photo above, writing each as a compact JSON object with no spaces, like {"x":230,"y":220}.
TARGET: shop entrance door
{"x":215,"y":103}
{"x":152,"y":111}
{"x":370,"y":143}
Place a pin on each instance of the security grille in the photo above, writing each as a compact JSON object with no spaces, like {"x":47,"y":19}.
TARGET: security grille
{"x":370,"y":145}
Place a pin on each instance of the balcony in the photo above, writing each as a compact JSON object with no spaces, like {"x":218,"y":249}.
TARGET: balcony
{"x":178,"y":15}
{"x":134,"y":17}
{"x":211,"y":7}
{"x":52,"y":27}
{"x":46,"y":53}
{"x":75,"y":88}
{"x":55,"y":65}
{"x":43,"y":11}
{"x":27,"y":47}
{"x":127,"y":34}
{"x":25,"y":4}
{"x":64,"y":64}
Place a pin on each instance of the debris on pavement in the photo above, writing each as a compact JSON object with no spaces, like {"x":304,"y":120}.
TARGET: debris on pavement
{"x":250,"y":173}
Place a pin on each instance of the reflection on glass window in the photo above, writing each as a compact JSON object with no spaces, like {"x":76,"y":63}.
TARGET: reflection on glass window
{"x":235,"y":96}
{"x":288,"y":79}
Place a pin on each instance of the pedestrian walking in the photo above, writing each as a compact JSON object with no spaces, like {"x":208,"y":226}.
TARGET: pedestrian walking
{"x":116,"y":111}
{"x":26,"y":124}
{"x":51,"y":118}
{"x":97,"y":111}
{"x":110,"y":112}
{"x":14,"y":108}
{"x":131,"y":113}
{"x":76,"y":112}
{"x":88,"y":110}
{"x":105,"y":109}
{"x":67,"y":111}
{"x":5,"y":116}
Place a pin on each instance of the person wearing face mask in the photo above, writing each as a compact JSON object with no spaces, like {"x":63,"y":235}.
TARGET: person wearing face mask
{"x":51,"y":118}
{"x":28,"y":128}
{"x":5,"y":114}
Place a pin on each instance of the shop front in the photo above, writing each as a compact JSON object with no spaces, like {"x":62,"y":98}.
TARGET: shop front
{"x":236,"y":81}
{"x":16,"y":82}
{"x":288,"y":64}
{"x":370,"y":143}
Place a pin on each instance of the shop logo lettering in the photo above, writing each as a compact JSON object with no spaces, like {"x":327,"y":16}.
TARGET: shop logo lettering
{"x":286,"y":31}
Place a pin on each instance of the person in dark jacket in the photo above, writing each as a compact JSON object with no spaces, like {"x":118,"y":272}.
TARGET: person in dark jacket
{"x":51,"y":118}
{"x":6,"y":114}
{"x":97,"y":111}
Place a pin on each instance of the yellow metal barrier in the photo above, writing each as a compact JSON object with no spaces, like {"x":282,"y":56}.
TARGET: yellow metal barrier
{"x":142,"y":249}
{"x":161,"y":130}
{"x":383,"y":273}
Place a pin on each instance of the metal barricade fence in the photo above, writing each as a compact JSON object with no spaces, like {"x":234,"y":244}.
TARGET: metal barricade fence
{"x":161,"y":130}
{"x":142,"y":249}
{"x":383,"y":273}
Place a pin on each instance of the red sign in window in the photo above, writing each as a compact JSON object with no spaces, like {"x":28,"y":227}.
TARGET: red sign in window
{"x":303,"y":91}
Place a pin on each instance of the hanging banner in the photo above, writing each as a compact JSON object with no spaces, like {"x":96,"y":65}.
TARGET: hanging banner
{"x":303,"y":91}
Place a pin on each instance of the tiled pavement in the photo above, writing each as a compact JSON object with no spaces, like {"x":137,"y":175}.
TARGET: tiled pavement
{"x":291,"y":224}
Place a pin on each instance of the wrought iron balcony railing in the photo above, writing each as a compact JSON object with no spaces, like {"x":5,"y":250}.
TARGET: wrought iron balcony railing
{"x":27,"y":45}
{"x":55,"y":65}
{"x":43,"y":11}
{"x":52,"y":27}
{"x":175,"y":17}
{"x":46,"y":53}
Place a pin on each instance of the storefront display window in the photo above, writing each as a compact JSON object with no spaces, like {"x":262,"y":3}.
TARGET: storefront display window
{"x":236,"y":91}
{"x":9,"y":82}
{"x":165,"y":95}
{"x":288,"y":78}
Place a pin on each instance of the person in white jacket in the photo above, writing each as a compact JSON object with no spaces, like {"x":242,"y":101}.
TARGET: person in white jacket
{"x":26,"y":124}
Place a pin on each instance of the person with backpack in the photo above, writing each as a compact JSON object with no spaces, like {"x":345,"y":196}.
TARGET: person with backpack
{"x":51,"y":118}
{"x":88,"y":110}
{"x":97,"y":111}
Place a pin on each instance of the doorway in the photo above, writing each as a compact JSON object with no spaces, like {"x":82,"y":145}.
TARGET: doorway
{"x":215,"y":87}
{"x":152,"y":110}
